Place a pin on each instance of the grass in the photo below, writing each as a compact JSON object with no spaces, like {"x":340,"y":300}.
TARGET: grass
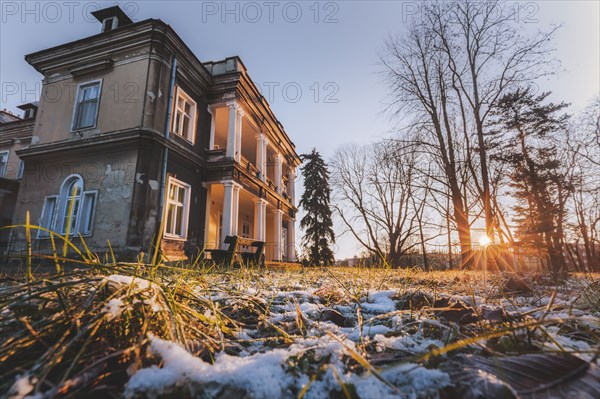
{"x":87,"y":328}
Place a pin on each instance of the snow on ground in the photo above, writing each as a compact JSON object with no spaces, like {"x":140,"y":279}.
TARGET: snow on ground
{"x":260,"y":375}
{"x":113,"y":308}
{"x":379,"y":302}
{"x":134,"y":282}
{"x":264,"y":375}
{"x":22,"y":387}
{"x":367,"y":321}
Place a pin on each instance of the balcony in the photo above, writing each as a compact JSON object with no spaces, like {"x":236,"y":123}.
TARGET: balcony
{"x":252,"y":152}
{"x":249,"y":167}
{"x":215,"y":155}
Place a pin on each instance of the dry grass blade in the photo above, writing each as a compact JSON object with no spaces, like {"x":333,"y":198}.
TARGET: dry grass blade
{"x":92,"y":327}
{"x":363,"y":362}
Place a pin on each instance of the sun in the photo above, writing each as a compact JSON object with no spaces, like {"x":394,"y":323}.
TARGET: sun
{"x":484,"y":241}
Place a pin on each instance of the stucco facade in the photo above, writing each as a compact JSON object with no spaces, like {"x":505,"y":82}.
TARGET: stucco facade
{"x":154,"y":142}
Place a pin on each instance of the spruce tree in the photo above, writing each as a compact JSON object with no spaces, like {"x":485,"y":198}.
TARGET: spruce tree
{"x":317,"y":222}
{"x":535,"y":169}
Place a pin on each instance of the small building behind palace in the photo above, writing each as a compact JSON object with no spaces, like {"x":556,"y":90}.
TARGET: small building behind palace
{"x":144,"y":139}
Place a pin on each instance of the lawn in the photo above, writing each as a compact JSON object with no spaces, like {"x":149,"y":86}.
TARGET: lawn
{"x":136,"y":331}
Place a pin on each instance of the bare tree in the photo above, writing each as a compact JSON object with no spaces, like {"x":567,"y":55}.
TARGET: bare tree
{"x":487,"y":56}
{"x":582,"y":151}
{"x":377,"y":199}
{"x":418,"y":76}
{"x":448,"y":73}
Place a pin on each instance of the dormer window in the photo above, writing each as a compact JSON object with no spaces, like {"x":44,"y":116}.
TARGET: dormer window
{"x":110,"y":24}
{"x":29,"y":109}
{"x":184,"y":116}
{"x":111,"y":18}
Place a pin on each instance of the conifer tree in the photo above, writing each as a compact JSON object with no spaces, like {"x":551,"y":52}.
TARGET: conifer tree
{"x":535,"y":169}
{"x":317,"y":222}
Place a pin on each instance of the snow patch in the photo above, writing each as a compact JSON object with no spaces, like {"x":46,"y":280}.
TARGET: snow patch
{"x":128,"y":280}
{"x":113,"y":309}
{"x":379,"y":302}
{"x":23,"y":386}
{"x":407,"y":343}
{"x":260,"y":375}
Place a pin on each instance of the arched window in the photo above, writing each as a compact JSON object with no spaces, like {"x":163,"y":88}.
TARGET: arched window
{"x":70,"y":201}
{"x":71,"y":204}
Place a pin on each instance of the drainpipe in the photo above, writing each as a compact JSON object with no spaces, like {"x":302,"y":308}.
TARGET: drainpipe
{"x":163,"y":178}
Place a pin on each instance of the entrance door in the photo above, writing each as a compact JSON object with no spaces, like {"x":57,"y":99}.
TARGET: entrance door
{"x":284,"y":240}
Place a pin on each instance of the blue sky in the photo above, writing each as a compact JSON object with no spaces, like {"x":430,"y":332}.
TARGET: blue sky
{"x":319,"y":59}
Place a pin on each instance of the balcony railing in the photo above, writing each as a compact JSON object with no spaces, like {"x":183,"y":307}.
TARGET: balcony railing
{"x":270,"y":183}
{"x":249,"y":167}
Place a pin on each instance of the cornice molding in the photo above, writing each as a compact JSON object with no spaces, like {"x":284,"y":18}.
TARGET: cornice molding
{"x":109,"y":139}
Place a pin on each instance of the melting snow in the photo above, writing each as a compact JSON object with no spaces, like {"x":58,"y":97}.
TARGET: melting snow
{"x":407,"y":343}
{"x":261,"y":375}
{"x":379,"y":302}
{"x":22,"y":387}
{"x":113,"y":308}
{"x":128,"y":280}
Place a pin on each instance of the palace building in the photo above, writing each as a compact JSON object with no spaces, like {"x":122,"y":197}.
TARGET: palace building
{"x":144,"y":140}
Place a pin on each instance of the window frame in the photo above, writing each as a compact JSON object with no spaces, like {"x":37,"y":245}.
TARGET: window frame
{"x":61,"y":207}
{"x":52,"y":221}
{"x":114,"y":22}
{"x":189,"y":136}
{"x":64,"y":204}
{"x":186,"y":209}
{"x":20,"y":169}
{"x":92,"y":216}
{"x":76,"y":105}
{"x":5,"y":170}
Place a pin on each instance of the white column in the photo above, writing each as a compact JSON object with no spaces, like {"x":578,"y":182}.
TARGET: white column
{"x":207,"y":214}
{"x":238,"y":140}
{"x":256,"y":219}
{"x":292,"y":185}
{"x":230,"y":210}
{"x":278,"y":173}
{"x":261,"y":155}
{"x":260,"y":219}
{"x":231,"y":129}
{"x":264,"y":157}
{"x":236,"y":208}
{"x":227,"y":212}
{"x":263,"y":232}
{"x":292,"y":240}
{"x":277,"y":221}
{"x":213,"y":113}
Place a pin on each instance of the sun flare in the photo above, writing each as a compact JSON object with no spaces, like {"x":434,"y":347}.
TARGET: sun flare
{"x":484,"y":241}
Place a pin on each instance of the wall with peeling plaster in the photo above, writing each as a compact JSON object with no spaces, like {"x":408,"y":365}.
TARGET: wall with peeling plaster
{"x":111,"y":173}
{"x":121,"y":102}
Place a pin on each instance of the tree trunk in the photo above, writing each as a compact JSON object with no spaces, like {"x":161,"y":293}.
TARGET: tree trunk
{"x":464,"y":233}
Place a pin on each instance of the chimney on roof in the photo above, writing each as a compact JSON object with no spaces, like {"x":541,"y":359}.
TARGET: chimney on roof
{"x":112,"y":18}
{"x":29,"y":109}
